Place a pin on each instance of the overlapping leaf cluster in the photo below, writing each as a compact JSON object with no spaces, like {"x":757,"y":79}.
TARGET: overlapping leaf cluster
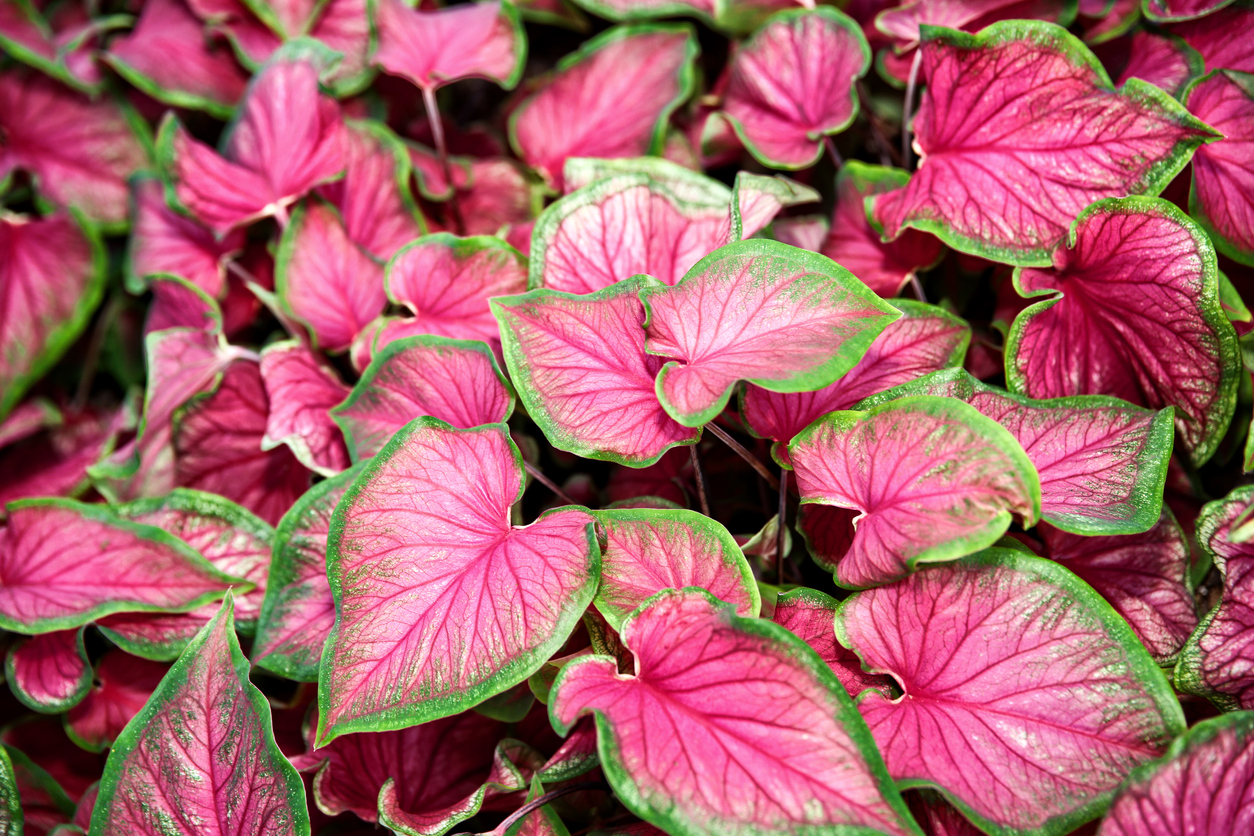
{"x":298,"y":299}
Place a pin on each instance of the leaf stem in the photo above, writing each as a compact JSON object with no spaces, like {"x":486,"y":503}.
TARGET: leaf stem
{"x":917,"y":287}
{"x":906,"y":115}
{"x":781,"y":530}
{"x":696,"y":470}
{"x":535,"y":804}
{"x":441,"y":150}
{"x":737,"y":448}
{"x":535,"y":473}
{"x":837,"y":160}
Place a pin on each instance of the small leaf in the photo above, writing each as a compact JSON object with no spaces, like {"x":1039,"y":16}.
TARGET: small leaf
{"x":1220,"y":196}
{"x":647,"y":551}
{"x":779,"y":317}
{"x":301,"y":392}
{"x":49,"y":672}
{"x":434,"y":48}
{"x":792,"y":83}
{"x":810,"y":615}
{"x":729,"y":725}
{"x":474,"y":607}
{"x":122,"y":685}
{"x":930,"y":479}
{"x":200,"y":757}
{"x":1013,"y":670}
{"x":63,"y":564}
{"x":453,"y":380}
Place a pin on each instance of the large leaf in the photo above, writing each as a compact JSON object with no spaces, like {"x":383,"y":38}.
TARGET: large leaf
{"x":63,"y":563}
{"x":1018,"y":98}
{"x":163,"y":241}
{"x":453,"y":380}
{"x":120,"y":686}
{"x":782,"y":318}
{"x":792,"y":83}
{"x":924,"y":340}
{"x":1155,"y":337}
{"x":49,"y":672}
{"x":649,"y":550}
{"x":1027,"y":699}
{"x":728,"y":725}
{"x":580,"y":366}
{"x":301,"y":391}
{"x":1220,"y":198}
{"x":52,"y":274}
{"x":1202,"y":785}
{"x":433,"y":48}
{"x":299,"y":611}
{"x":610,"y":98}
{"x":440,"y":602}
{"x":921,"y":480}
{"x":811,"y":615}
{"x":200,"y":758}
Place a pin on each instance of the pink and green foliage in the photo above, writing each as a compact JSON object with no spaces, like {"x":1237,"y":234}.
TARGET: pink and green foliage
{"x":1165,"y":62}
{"x":1222,"y":38}
{"x":301,"y":392}
{"x":1135,"y":303}
{"x":1202,"y":785}
{"x":49,"y":672}
{"x":440,"y":602}
{"x":792,"y":84}
{"x":811,"y":616}
{"x":1222,"y":181}
{"x":918,"y":480}
{"x":977,"y":186}
{"x":1025,"y":729}
{"x":163,"y":241}
{"x":1172,"y":10}
{"x":120,"y":686}
{"x":200,"y":757}
{"x":690,"y":745}
{"x":434,"y":47}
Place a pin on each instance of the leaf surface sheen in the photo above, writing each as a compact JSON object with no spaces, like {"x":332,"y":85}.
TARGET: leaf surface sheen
{"x":440,"y":602}
{"x":689,"y":744}
{"x":122,"y":685}
{"x":49,"y":672}
{"x":1018,"y":99}
{"x":1222,"y":194}
{"x":301,"y":392}
{"x":811,"y":615}
{"x":1027,"y":700}
{"x":432,"y":48}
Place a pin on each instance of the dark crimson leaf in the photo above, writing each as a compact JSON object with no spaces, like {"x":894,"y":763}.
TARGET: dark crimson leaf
{"x":434,"y":47}
{"x":121,"y":686}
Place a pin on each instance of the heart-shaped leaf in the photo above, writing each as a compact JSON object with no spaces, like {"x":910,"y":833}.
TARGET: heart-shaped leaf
{"x":446,"y":282}
{"x":121,"y":685}
{"x":453,"y":380}
{"x":810,"y":615}
{"x":163,"y":241}
{"x":49,"y":672}
{"x":64,"y":564}
{"x":481,"y":604}
{"x":52,"y":275}
{"x":792,"y":83}
{"x":200,"y":757}
{"x":1027,"y":699}
{"x":1202,"y":783}
{"x":299,"y":611}
{"x":580,"y":366}
{"x":1223,"y":38}
{"x":648,"y":550}
{"x":779,"y":317}
{"x":924,"y":340}
{"x":729,"y":725}
{"x":1155,"y":338}
{"x":1001,"y":106}
{"x":929,"y":479}
{"x":301,"y":392}
{"x":432,"y":48}
{"x":610,"y":98}
{"x":1220,"y":197}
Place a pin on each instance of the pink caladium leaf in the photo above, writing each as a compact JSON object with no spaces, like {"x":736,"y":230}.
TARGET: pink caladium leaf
{"x":288,"y":137}
{"x":1155,"y":338}
{"x":689,"y":744}
{"x":64,"y":564}
{"x":781,"y":318}
{"x":454,"y":380}
{"x":52,"y":275}
{"x":1169,"y":11}
{"x":299,"y":610}
{"x":792,"y":83}
{"x":884,"y":464}
{"x":49,"y":673}
{"x":977,"y":186}
{"x":61,"y":45}
{"x":252,"y":39}
{"x":210,"y":721}
{"x":218,"y":447}
{"x":580,"y":366}
{"x":436,"y":47}
{"x":301,"y":392}
{"x":1143,"y":576}
{"x":441,"y":647}
{"x":811,"y":616}
{"x":925,"y":339}
{"x":1201,"y":785}
{"x":344,"y":26}
{"x":446,"y":282}
{"x":373,"y":198}
{"x":1165,"y":61}
{"x":163,"y":241}
{"x":79,"y":151}
{"x":648,"y":550}
{"x":610,"y":98}
{"x":177,"y":303}
{"x":903,"y":24}
{"x":168,"y":57}
{"x":1220,"y":198}
{"x":120,"y":686}
{"x":885,"y":267}
{"x":1223,"y":38}
{"x":1011,"y":667}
